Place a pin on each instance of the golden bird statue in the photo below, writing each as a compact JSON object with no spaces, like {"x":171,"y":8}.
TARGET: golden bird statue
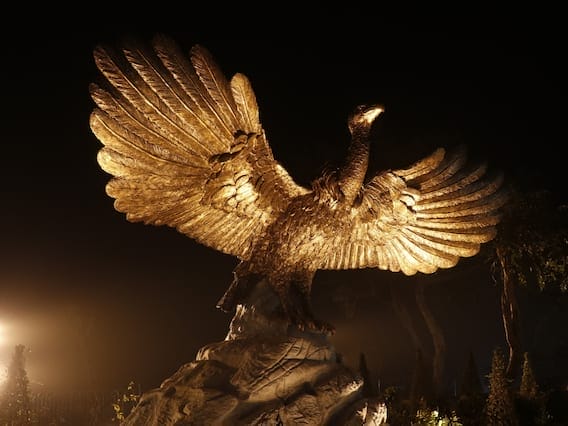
{"x":186,"y":149}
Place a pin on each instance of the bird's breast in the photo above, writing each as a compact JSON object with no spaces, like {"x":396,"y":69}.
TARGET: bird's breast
{"x":301,"y":234}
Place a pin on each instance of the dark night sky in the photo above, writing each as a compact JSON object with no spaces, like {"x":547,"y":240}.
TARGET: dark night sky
{"x":100,"y":301}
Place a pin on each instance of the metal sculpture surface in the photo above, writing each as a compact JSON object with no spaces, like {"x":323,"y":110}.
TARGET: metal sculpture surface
{"x":186,"y":149}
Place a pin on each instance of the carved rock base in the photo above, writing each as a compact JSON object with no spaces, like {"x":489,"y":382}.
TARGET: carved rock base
{"x":263,"y":373}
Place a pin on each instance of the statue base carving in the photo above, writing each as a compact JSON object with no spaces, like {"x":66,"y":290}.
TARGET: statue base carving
{"x":265,"y":372}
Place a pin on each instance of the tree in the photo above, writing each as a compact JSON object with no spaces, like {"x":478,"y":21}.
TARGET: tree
{"x":530,"y":246}
{"x":15,"y":408}
{"x":438,"y":339}
{"x":470,"y":394}
{"x":529,"y":387}
{"x":421,"y":385}
{"x":369,"y":388}
{"x":500,"y":407}
{"x":400,"y":306}
{"x":531,"y":404}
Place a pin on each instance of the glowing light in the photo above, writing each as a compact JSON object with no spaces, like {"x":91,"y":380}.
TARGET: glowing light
{"x":3,"y":368}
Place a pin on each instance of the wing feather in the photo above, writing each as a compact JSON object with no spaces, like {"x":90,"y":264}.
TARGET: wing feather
{"x":421,"y":218}
{"x":406,"y":260}
{"x":136,"y":143}
{"x":426,"y":257}
{"x":178,"y":102}
{"x":391,"y":257}
{"x":216,"y":85}
{"x":181,"y":69}
{"x":185,"y":146}
{"x":245,"y":102}
{"x":132,"y":86}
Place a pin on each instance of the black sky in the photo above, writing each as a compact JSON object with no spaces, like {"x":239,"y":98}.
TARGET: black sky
{"x":100,"y":301}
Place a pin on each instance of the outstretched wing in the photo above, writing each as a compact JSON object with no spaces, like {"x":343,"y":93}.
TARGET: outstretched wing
{"x":421,"y":218}
{"x":185,"y":146}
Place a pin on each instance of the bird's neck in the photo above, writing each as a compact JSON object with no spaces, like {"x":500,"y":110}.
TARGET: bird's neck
{"x":352,"y":175}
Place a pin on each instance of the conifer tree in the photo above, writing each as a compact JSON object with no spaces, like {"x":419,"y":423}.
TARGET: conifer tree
{"x":470,"y":394}
{"x":500,"y":407}
{"x":15,"y":408}
{"x":470,"y":385}
{"x":530,"y":404}
{"x":529,"y":387}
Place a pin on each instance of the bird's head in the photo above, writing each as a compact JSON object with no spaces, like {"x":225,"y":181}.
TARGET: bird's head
{"x":363,"y":116}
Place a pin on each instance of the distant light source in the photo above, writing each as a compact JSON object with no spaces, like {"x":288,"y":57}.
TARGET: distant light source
{"x":3,"y":368}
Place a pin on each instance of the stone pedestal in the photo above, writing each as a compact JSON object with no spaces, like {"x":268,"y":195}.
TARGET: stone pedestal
{"x":264,"y":373}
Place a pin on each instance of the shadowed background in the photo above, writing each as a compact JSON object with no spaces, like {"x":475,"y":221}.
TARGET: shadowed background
{"x":99,"y":301}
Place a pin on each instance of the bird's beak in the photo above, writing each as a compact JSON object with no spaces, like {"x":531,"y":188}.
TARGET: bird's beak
{"x":372,"y":113}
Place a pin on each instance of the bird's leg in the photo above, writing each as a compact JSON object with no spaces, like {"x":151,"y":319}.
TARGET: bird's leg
{"x":240,"y":288}
{"x":294,"y":295}
{"x":303,"y":288}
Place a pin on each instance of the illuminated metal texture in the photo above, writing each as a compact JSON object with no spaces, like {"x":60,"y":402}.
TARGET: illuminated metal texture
{"x":186,"y":149}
